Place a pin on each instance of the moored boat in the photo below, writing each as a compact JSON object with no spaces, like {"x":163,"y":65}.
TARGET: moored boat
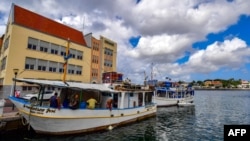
{"x":128,"y":105}
{"x":166,"y":95}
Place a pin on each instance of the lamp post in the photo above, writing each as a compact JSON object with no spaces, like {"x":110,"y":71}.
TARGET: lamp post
{"x":14,"y":90}
{"x":15,"y":72}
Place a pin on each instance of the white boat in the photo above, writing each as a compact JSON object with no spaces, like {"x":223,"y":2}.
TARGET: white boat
{"x":185,"y":104}
{"x":165,"y":96}
{"x":129,"y":105}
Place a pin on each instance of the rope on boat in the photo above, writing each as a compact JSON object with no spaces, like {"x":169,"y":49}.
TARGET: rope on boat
{"x":32,"y":104}
{"x":24,"y":121}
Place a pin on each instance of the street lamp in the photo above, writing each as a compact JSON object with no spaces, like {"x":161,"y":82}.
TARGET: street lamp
{"x":15,"y":72}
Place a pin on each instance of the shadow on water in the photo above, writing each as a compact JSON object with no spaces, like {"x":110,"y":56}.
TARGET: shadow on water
{"x":22,"y":134}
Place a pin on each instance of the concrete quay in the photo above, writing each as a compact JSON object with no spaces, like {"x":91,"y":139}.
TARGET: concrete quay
{"x":10,"y":118}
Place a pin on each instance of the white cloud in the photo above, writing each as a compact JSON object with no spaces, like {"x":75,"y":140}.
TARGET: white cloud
{"x":230,"y":53}
{"x":161,"y":48}
{"x":167,"y":28}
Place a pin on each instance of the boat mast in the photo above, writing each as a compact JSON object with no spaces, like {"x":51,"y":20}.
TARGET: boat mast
{"x":152,"y":72}
{"x":65,"y":65}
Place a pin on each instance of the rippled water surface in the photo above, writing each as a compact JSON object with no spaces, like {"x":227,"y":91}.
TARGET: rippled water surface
{"x":204,"y":121}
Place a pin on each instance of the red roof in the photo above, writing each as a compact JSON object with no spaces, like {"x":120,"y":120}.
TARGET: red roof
{"x":39,"y":23}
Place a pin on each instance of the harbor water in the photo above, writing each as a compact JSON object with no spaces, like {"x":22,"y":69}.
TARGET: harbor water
{"x":204,"y":121}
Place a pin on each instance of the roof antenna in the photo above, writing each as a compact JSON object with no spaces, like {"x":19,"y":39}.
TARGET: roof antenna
{"x":83,"y":22}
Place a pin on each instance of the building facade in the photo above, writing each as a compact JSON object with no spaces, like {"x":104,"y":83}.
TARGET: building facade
{"x":40,"y":48}
{"x":213,"y":83}
{"x":103,"y":58}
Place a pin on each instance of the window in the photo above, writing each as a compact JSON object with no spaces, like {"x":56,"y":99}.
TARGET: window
{"x":71,"y":69}
{"x":50,"y":88}
{"x":63,"y":51}
{"x":131,"y":94}
{"x":43,"y":49}
{"x":96,"y":46}
{"x":79,"y":55}
{"x":41,"y":65}
{"x":73,"y":53}
{"x":108,"y":52}
{"x":44,"y":46}
{"x":6,"y":43}
{"x":94,"y":72}
{"x":108,"y":63}
{"x":1,"y":80}
{"x":79,"y":70}
{"x":52,"y":66}
{"x":54,"y":49}
{"x":30,"y":63}
{"x":3,"y":63}
{"x":106,"y":94}
{"x":26,"y":88}
{"x":32,"y":43}
{"x":47,"y":47}
{"x":61,"y":68}
{"x":95,"y":59}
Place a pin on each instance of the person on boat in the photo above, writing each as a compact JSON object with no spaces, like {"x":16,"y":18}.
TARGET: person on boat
{"x":17,"y":93}
{"x":55,"y":101}
{"x":109,"y":104}
{"x":74,"y":103}
{"x":91,"y":103}
{"x":66,"y":102}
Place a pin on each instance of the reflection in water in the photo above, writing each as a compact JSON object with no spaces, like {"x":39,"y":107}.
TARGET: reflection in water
{"x":174,"y":123}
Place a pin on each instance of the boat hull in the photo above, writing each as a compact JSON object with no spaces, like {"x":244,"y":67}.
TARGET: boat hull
{"x":166,"y":102}
{"x":185,"y":104}
{"x":46,"y":120}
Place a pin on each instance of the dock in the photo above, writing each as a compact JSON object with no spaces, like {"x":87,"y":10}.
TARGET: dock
{"x":10,"y":119}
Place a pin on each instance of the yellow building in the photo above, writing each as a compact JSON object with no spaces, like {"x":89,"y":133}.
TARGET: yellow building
{"x":104,"y":54}
{"x":37,"y":47}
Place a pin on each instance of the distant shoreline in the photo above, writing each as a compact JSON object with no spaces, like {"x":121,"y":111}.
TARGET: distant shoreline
{"x":222,"y":89}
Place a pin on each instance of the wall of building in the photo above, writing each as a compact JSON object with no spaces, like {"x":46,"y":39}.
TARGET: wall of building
{"x":19,"y":34}
{"x":109,"y":45}
{"x":17,"y":51}
{"x":96,"y":63}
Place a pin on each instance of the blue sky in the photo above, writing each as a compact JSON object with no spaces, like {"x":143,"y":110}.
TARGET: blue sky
{"x":240,"y":29}
{"x":184,"y":39}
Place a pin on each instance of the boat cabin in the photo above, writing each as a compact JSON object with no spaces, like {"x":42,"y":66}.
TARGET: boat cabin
{"x":123,"y":95}
{"x":120,"y":99}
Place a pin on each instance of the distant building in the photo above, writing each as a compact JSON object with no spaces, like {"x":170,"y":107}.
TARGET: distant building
{"x":103,"y":56}
{"x":213,"y":83}
{"x":245,"y":84}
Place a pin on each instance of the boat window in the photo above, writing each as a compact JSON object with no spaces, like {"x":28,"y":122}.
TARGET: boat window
{"x":131,"y":94}
{"x":106,"y":94}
